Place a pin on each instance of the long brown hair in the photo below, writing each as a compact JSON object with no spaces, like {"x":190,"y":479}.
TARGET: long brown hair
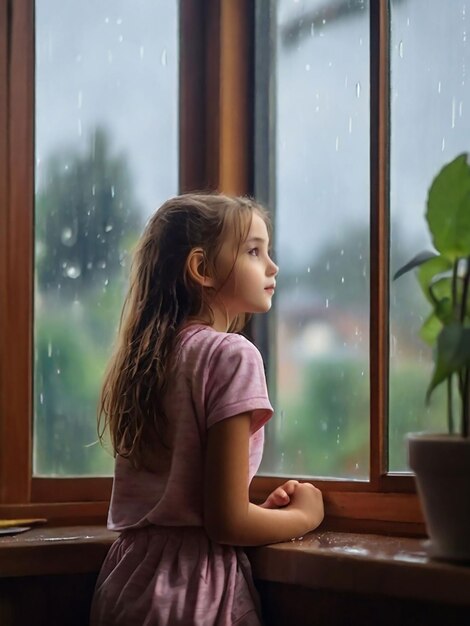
{"x":161,"y":297}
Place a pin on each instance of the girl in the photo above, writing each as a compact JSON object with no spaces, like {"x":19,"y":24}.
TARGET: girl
{"x":185,"y":401}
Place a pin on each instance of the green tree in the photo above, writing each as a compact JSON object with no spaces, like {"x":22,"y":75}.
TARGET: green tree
{"x":84,"y":210}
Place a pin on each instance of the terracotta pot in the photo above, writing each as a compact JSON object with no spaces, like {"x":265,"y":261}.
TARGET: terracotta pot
{"x":441,"y":464}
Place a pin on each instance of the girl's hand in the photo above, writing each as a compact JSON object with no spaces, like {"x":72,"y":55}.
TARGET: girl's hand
{"x":281,"y":496}
{"x":309,"y":500}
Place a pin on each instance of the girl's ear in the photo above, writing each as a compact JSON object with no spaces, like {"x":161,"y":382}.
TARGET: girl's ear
{"x":196,"y":267}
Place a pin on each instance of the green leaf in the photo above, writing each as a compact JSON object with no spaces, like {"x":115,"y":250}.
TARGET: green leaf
{"x":453,"y":354}
{"x":430,"y":329}
{"x":431,"y":268}
{"x":419,"y":259}
{"x":448,"y":209}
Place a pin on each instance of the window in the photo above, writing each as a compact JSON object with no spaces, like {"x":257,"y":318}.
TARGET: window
{"x":118,"y":125}
{"x":227,"y":103}
{"x":106,"y":155}
{"x":365,"y":101}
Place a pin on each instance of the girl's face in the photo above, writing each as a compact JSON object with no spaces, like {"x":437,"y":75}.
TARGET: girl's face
{"x":247,"y":281}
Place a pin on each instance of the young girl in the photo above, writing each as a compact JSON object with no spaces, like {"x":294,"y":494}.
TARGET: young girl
{"x":185,"y":401}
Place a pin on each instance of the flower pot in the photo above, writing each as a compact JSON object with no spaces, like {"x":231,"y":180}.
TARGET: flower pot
{"x":441,"y":464}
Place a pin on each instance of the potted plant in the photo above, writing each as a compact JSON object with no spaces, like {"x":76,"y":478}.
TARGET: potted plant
{"x":441,"y":462}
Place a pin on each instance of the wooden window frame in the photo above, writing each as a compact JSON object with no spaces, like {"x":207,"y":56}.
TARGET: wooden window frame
{"x":216,"y":152}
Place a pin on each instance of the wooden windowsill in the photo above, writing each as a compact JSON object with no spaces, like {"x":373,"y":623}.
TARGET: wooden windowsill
{"x":359,"y":563}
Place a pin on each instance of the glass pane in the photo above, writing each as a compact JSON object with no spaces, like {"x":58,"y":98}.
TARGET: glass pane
{"x":106,"y":156}
{"x":320,"y":382}
{"x":430,"y":119}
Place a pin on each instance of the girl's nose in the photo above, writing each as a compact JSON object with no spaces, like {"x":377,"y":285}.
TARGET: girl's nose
{"x":273,"y":269}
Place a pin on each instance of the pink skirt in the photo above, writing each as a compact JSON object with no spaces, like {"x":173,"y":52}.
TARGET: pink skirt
{"x":169,"y":576}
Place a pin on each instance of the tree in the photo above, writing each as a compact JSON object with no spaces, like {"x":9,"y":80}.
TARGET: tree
{"x":84,"y":210}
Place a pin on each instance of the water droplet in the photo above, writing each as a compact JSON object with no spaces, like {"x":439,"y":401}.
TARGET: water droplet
{"x":327,"y":266}
{"x":93,"y":191}
{"x":106,"y":282}
{"x":307,"y":67}
{"x":308,"y":270}
{"x":49,"y":349}
{"x":68,"y":236}
{"x":164,"y":57}
{"x":350,"y":125}
{"x":453,"y":113}
{"x":439,"y":87}
{"x":106,"y":20}
{"x":312,"y":29}
{"x":58,"y":371}
{"x":327,"y":303}
{"x":120,"y":38}
{"x":108,"y":228}
{"x":72,"y":271}
{"x":80,"y":99}
{"x":460,"y":108}
{"x":141,"y":52}
{"x":41,"y":398}
{"x":101,"y":264}
{"x":337,"y":144}
{"x":89,"y":265}
{"x":342,"y":280}
{"x":358,"y":90}
{"x":400,"y":49}
{"x":112,"y":191}
{"x":119,"y":21}
{"x":443,"y":144}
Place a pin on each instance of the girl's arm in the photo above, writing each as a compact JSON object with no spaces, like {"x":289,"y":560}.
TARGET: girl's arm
{"x":229,"y":517}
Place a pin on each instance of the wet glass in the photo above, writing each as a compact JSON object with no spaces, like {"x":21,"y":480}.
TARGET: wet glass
{"x":430,"y":125}
{"x":106,"y":156}
{"x":319,"y":383}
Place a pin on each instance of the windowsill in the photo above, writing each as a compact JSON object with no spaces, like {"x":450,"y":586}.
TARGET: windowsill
{"x":358,"y":563}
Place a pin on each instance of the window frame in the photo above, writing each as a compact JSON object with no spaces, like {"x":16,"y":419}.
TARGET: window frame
{"x":217,"y":151}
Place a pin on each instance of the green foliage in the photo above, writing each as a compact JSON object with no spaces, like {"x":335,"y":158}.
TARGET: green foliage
{"x":83,"y":212}
{"x":444,"y":279}
{"x":86,"y":220}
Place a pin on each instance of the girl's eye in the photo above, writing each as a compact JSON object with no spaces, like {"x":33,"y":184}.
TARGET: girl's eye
{"x":254,"y":251}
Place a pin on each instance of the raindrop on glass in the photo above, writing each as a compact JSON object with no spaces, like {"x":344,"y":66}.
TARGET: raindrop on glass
{"x":141,"y":52}
{"x":164,"y":57}
{"x":400,"y":49}
{"x":49,"y":349}
{"x":108,"y":228}
{"x":307,"y":67}
{"x":72,"y":271}
{"x":439,"y":87}
{"x":112,"y":191}
{"x":358,"y":90}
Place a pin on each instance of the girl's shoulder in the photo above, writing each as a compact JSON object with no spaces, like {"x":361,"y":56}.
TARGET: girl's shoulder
{"x":206,"y":341}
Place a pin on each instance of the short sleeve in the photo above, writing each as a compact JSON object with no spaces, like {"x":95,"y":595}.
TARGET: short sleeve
{"x":236,"y":383}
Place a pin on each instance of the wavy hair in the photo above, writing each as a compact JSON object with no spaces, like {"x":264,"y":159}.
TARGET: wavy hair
{"x":160,"y":299}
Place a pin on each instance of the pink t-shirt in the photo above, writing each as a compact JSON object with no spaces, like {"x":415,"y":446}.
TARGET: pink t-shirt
{"x":217,"y":375}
